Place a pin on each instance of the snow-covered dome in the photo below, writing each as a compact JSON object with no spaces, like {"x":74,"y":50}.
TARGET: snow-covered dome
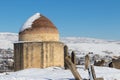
{"x":38,"y":28}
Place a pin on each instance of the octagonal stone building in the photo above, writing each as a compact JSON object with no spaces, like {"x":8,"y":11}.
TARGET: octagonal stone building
{"x":38,"y":45}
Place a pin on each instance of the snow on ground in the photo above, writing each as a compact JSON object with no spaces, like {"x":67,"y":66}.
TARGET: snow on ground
{"x":81,"y":45}
{"x":7,"y":39}
{"x":97,"y":46}
{"x":56,"y":73}
{"x":110,"y":49}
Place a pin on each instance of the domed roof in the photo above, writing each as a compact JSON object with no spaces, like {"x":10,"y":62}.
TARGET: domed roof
{"x":38,"y":28}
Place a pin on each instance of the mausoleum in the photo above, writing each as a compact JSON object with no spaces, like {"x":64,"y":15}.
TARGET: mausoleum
{"x":38,"y":45}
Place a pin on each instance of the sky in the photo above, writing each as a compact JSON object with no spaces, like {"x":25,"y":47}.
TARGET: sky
{"x":73,"y":18}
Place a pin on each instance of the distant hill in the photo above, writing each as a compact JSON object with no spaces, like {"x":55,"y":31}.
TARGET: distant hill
{"x":7,"y":39}
{"x":79,"y":44}
{"x":82,"y":45}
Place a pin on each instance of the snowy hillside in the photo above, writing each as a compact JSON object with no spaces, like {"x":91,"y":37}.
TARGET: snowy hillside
{"x":78,"y":44}
{"x":56,"y":73}
{"x":82,"y":40}
{"x":97,"y":46}
{"x":7,"y":40}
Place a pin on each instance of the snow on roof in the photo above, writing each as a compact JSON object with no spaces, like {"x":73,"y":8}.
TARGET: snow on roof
{"x":30,"y":21}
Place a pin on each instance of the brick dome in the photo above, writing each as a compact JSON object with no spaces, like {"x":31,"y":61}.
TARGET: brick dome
{"x":38,"y":28}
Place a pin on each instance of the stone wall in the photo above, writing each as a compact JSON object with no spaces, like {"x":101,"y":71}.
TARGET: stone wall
{"x":38,"y":55}
{"x":18,"y":57}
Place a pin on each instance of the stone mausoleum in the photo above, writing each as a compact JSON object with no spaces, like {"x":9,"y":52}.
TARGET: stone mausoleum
{"x":38,"y":45}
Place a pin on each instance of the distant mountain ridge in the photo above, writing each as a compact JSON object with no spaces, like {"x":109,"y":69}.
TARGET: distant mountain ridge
{"x":82,"y":40}
{"x":9,"y":36}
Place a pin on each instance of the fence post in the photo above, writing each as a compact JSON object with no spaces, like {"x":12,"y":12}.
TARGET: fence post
{"x":72,"y":68}
{"x":87,"y":61}
{"x":65,"y":55}
{"x":93,"y":72}
{"x":73,"y":57}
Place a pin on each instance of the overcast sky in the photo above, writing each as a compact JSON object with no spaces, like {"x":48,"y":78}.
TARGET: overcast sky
{"x":77,"y":18}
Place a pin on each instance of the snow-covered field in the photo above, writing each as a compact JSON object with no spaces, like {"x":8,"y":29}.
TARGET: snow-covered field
{"x":79,"y":45}
{"x":7,"y":39}
{"x":56,"y":73}
{"x":97,"y":46}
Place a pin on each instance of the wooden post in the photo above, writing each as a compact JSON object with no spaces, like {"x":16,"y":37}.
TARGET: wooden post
{"x":72,"y":68}
{"x":100,"y":78}
{"x":73,"y":57}
{"x":65,"y":55}
{"x":93,"y":72}
{"x":90,"y":73}
{"x":87,"y":61}
{"x":90,"y":69}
